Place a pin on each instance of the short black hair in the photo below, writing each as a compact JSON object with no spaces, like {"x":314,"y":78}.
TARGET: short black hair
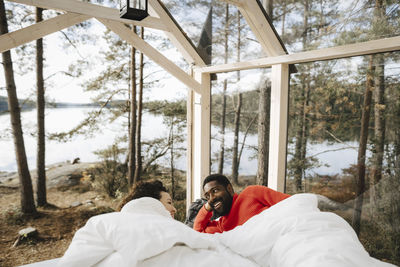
{"x":221,"y":179}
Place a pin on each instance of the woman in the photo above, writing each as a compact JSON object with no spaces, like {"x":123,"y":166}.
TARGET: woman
{"x":152,"y":188}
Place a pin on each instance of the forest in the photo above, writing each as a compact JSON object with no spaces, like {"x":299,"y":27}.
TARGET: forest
{"x":354,"y":102}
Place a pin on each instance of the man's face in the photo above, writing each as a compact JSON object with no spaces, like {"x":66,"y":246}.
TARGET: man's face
{"x":219,"y":197}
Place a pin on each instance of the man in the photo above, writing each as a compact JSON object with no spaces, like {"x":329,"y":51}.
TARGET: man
{"x":233,"y":209}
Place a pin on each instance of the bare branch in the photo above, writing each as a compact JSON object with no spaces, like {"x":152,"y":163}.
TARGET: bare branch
{"x":69,"y":40}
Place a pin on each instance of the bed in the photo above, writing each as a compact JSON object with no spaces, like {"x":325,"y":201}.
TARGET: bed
{"x":293,"y":232}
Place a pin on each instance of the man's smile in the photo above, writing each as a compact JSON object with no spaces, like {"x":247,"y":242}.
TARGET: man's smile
{"x":217,"y":204}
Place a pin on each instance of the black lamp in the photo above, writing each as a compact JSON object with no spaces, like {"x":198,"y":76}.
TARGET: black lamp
{"x":133,"y":9}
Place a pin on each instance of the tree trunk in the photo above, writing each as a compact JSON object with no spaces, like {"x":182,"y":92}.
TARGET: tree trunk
{"x":238,"y":42}
{"x":305,"y":123}
{"x":172,"y":169}
{"x":298,"y":170}
{"x":263,"y":122}
{"x":301,"y":135}
{"x":379,"y":112}
{"x":235,"y":159}
{"x":379,"y":140}
{"x":283,"y":18}
{"x":132,"y":123}
{"x":221,"y":155}
{"x":245,"y":137}
{"x":40,"y":105}
{"x":138,"y":170}
{"x":395,"y":207}
{"x":238,"y":109}
{"x":360,"y":187}
{"x":27,"y":201}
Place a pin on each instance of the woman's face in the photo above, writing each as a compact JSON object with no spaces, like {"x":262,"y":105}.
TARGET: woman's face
{"x":166,"y":200}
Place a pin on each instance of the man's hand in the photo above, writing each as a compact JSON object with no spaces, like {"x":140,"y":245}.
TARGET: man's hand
{"x":207,"y":207}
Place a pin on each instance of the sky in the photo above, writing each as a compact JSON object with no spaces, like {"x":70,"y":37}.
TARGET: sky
{"x":61,"y":88}
{"x":65,"y":89}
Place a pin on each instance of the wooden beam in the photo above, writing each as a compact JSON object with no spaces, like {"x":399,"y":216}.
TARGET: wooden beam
{"x":351,"y":50}
{"x":278,"y":127}
{"x":201,"y":134}
{"x":177,"y":36}
{"x":190,"y":183}
{"x":126,"y":34}
{"x":92,"y":10}
{"x":39,"y":30}
{"x":262,"y":28}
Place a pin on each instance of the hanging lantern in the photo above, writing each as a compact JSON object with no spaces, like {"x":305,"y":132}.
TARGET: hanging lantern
{"x":133,"y":9}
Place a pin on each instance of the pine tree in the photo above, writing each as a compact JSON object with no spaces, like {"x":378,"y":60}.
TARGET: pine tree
{"x":132,"y":150}
{"x":40,"y":105}
{"x":138,"y":167}
{"x":366,"y":111}
{"x":27,"y":201}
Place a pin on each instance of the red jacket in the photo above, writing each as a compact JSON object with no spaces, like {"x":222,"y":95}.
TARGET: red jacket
{"x":251,"y":201}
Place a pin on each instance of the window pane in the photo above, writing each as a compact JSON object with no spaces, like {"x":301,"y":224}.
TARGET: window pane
{"x":328,"y":144}
{"x":306,"y":25}
{"x":241,"y":91}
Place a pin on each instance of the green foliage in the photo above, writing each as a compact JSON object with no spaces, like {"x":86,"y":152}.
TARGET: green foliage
{"x":110,"y":176}
{"x":249,"y":110}
{"x":167,"y":108}
{"x":387,"y":209}
{"x":379,"y":242}
{"x":180,"y":206}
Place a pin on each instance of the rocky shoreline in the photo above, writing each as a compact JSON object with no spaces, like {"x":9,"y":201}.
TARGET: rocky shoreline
{"x":57,"y":174}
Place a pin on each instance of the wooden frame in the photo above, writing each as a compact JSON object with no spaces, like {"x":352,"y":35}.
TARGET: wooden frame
{"x":38,"y":30}
{"x":132,"y":38}
{"x":278,"y":122}
{"x":201,"y":135}
{"x":198,"y":102}
{"x":350,"y":50}
{"x":177,"y":35}
{"x":92,"y":10}
{"x":261,"y":26}
{"x":78,"y":11}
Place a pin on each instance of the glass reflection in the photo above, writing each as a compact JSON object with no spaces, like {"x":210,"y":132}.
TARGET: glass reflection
{"x":344,"y":139}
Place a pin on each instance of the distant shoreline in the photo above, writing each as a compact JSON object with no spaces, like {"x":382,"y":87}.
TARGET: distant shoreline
{"x":29,"y":104}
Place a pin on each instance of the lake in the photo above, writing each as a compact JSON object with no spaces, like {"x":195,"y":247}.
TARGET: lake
{"x":64,"y":119}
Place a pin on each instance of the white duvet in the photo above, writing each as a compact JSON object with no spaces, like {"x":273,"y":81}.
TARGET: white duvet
{"x":291,"y":233}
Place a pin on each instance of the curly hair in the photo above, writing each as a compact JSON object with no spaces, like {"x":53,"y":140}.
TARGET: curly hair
{"x":152,"y":188}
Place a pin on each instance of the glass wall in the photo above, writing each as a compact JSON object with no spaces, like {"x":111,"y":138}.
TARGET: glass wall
{"x":232,"y":38}
{"x":344,"y":144}
{"x":301,"y":24}
{"x":234,"y":123}
{"x":309,"y":24}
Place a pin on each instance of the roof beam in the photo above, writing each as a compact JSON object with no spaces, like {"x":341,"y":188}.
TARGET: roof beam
{"x":92,"y":10}
{"x":126,"y":34}
{"x":350,"y":50}
{"x":39,"y":30}
{"x":177,"y":36}
{"x":261,"y":26}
